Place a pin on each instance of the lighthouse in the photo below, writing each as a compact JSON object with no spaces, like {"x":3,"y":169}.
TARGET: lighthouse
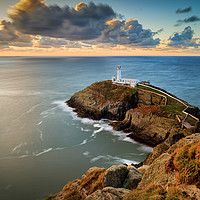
{"x":118,"y":73}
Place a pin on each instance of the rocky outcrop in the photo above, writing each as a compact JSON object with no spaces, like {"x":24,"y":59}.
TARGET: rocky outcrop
{"x":172,"y":175}
{"x":99,"y":183}
{"x":104,"y":100}
{"x":146,"y":125}
{"x":115,"y":176}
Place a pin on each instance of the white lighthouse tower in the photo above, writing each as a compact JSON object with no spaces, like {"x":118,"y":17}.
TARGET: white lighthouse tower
{"x":118,"y":73}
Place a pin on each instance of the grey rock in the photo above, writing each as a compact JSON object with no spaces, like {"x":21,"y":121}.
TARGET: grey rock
{"x":115,"y":176}
{"x":108,"y":193}
{"x":133,"y":178}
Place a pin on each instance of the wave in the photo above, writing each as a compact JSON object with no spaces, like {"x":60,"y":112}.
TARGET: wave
{"x":86,"y":153}
{"x":128,"y":139}
{"x":33,"y":108}
{"x":102,"y":125}
{"x":45,"y":151}
{"x":145,"y":148}
{"x":115,"y":159}
{"x":19,"y":146}
{"x":39,"y":123}
{"x":41,"y":135}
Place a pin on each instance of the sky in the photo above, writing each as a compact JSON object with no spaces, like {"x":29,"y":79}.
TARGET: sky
{"x":99,"y":28}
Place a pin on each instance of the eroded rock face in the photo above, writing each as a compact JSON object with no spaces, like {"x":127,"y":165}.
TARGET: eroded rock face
{"x":149,"y":98}
{"x":148,"y":128}
{"x":108,"y":193}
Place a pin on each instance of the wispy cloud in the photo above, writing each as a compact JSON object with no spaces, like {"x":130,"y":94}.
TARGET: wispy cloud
{"x":188,"y":20}
{"x":185,"y":10}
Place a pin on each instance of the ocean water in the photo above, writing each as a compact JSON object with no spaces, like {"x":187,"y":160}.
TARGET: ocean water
{"x":43,"y":144}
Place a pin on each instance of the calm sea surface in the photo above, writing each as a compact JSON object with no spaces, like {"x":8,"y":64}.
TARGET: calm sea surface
{"x":43,"y":144}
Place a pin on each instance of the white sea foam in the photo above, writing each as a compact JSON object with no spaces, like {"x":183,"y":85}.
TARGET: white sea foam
{"x":41,"y":135}
{"x":39,"y":123}
{"x":85,"y":130}
{"x":115,"y":159}
{"x":128,"y":139}
{"x":19,"y":146}
{"x":45,"y":151}
{"x":99,"y":130}
{"x":86,"y":153}
{"x":145,"y":148}
{"x":60,"y":148}
{"x":84,"y":142}
{"x":33,"y":108}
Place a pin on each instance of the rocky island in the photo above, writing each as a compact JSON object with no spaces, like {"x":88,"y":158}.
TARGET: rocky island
{"x":151,"y":116}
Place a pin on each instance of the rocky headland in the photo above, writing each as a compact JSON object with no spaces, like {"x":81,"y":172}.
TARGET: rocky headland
{"x":171,"y":171}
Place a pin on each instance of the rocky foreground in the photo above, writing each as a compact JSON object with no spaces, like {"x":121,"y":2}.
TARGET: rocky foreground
{"x":174,"y":175}
{"x":171,"y":171}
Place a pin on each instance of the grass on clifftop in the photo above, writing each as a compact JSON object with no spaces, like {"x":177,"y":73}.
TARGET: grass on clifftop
{"x":110,"y":91}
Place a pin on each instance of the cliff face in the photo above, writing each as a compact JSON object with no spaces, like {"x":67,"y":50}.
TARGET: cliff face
{"x":150,"y":125}
{"x":147,"y":125}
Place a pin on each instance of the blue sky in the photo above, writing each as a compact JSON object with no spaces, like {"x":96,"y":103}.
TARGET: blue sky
{"x":151,"y":14}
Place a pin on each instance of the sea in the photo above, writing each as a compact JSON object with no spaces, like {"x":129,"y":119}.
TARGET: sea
{"x":44,"y":145}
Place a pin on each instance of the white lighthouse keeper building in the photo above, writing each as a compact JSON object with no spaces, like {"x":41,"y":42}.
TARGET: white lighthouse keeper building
{"x":124,"y":81}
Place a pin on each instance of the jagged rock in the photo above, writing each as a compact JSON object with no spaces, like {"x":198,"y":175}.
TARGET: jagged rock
{"x":115,"y":176}
{"x":108,"y":193}
{"x":133,"y":178}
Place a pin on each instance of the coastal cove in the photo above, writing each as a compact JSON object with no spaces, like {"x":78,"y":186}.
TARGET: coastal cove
{"x":50,"y":145}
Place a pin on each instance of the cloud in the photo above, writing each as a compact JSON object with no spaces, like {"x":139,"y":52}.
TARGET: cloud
{"x":46,"y":42}
{"x":188,"y":20}
{"x":83,"y":23}
{"x":185,"y":10}
{"x":184,"y":39}
{"x":128,"y":33}
{"x":57,"y":26}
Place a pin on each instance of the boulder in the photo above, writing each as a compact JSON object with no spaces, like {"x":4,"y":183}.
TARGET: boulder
{"x":133,"y":178}
{"x":115,"y":176}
